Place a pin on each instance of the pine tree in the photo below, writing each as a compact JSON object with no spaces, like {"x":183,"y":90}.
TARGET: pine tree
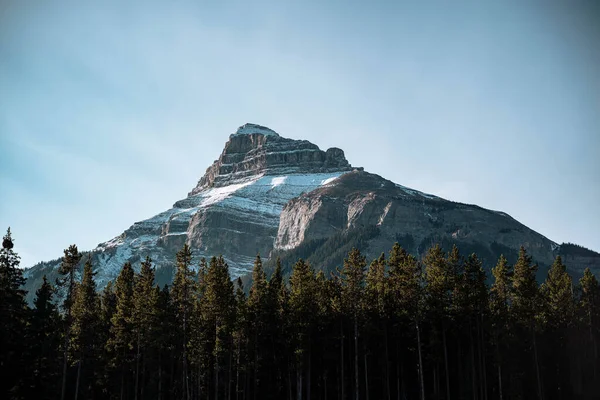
{"x":240,"y":338}
{"x":525,"y":308}
{"x":182,"y":295}
{"x":303,"y":307}
{"x":67,"y":269}
{"x":588,"y":310}
{"x":144,"y":319}
{"x":376,"y":314}
{"x":500,"y":300}
{"x":258,"y":303}
{"x":13,"y":319}
{"x":353,"y":275}
{"x":219,"y":307}
{"x":43,"y":340}
{"x":406,"y":294}
{"x":108,"y":308}
{"x":440,"y":282}
{"x":121,"y":342}
{"x":558,"y":295}
{"x":85,"y":340}
{"x":558,"y":315}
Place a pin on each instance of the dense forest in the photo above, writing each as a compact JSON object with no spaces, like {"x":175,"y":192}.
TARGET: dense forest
{"x":395,"y":328}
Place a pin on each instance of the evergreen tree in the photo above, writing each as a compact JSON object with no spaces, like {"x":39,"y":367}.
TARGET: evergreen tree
{"x":440,"y":281}
{"x":43,"y":339}
{"x":353,"y":275}
{"x":145,"y":299}
{"x":406,"y":294}
{"x":558,"y":315}
{"x":85,"y":340}
{"x":376,"y":313}
{"x":500,"y":301}
{"x":13,"y":319}
{"x":524,"y":312}
{"x":108,"y":308}
{"x":121,"y":342}
{"x":258,"y":315}
{"x":240,"y":339}
{"x":588,"y":311}
{"x":182,"y":296}
{"x":303,"y":309}
{"x":219,"y":307}
{"x":67,"y":269}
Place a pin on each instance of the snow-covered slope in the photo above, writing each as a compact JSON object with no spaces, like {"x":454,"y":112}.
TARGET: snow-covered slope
{"x":234,"y":210}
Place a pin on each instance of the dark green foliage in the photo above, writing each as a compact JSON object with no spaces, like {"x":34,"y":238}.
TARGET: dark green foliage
{"x":405,"y":328}
{"x":44,"y":343}
{"x":86,"y":346}
{"x":13,"y":319}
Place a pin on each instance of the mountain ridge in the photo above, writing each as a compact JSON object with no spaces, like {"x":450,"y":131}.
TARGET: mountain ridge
{"x":269,"y":194}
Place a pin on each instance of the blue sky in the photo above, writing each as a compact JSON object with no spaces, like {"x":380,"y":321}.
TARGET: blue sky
{"x":111,"y":112}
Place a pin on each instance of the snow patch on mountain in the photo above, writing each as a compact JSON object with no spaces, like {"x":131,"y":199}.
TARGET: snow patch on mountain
{"x":250,"y":129}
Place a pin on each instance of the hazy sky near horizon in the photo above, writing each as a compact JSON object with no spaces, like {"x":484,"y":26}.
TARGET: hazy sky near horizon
{"x":111,"y":112}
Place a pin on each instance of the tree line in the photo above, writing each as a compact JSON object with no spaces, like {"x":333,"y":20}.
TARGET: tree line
{"x":395,"y":328}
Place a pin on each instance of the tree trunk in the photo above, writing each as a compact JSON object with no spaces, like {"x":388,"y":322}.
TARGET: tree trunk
{"x":446,"y":363}
{"x":217,"y":376}
{"x":342,"y":359}
{"x":78,"y":378}
{"x":67,"y":334}
{"x":159,"y":376}
{"x":237,"y":372}
{"x":137,"y":367}
{"x":308,"y":372}
{"x":366,"y":376}
{"x":482,"y":371}
{"x":356,"y":385}
{"x":298,"y":383}
{"x":64,"y":376}
{"x":143,"y":378}
{"x":229,"y":375}
{"x":387,"y":366}
{"x":500,"y":381}
{"x":537,"y":367}
{"x":421,"y":378}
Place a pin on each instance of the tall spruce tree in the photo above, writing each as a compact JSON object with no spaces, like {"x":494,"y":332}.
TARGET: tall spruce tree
{"x":43,"y":340}
{"x":353,"y":276}
{"x":588,"y":311}
{"x":67,"y":269}
{"x":182,"y":296}
{"x":558,"y":315}
{"x":406,"y":294}
{"x":440,"y":281}
{"x":13,"y":319}
{"x":85,"y":339}
{"x":303,"y":308}
{"x":145,"y":299}
{"x":500,"y":301}
{"x":121,"y":342}
{"x":524,"y":310}
{"x":258,"y":303}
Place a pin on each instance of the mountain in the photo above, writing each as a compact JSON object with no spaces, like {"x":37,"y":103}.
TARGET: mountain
{"x":277,"y":196}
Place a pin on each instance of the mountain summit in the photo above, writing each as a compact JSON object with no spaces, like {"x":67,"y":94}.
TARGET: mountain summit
{"x":272,"y":195}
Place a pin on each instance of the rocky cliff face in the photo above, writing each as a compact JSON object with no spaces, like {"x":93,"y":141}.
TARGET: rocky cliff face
{"x":254,"y":150}
{"x":271,"y":195}
{"x":360,"y":200}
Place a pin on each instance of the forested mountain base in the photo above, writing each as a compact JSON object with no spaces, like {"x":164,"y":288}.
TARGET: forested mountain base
{"x":399,"y":328}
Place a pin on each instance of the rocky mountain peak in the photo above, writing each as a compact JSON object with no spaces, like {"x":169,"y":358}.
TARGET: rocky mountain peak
{"x":255,"y":150}
{"x":253,"y":129}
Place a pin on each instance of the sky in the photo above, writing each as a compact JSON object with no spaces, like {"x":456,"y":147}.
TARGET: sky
{"x":110,"y":112}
